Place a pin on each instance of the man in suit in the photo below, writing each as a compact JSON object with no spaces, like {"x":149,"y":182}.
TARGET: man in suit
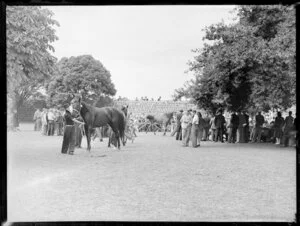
{"x":259,"y":121}
{"x":233,"y":126}
{"x":219,"y":123}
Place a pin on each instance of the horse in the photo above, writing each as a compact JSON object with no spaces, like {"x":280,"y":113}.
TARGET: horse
{"x":94,"y":117}
{"x":164,"y":119}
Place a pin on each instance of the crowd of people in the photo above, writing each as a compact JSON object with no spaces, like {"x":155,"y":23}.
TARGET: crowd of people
{"x":49,"y":121}
{"x":238,"y":127}
{"x":190,"y":127}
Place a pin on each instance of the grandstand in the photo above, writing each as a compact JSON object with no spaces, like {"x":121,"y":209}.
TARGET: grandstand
{"x":154,"y":107}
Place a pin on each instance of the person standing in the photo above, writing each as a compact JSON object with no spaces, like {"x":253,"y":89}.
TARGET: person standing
{"x":186,"y":123}
{"x":69,"y":137}
{"x":219,"y":123}
{"x":246,"y":127}
{"x":241,"y":130}
{"x":287,"y":128}
{"x":59,"y":121}
{"x":195,"y":130}
{"x":278,"y":124}
{"x":213,"y":128}
{"x":44,"y":121}
{"x":51,"y":119}
{"x":259,"y":121}
{"x":233,"y":126}
{"x":173,"y":124}
{"x":206,"y":127}
{"x":179,"y":128}
{"x":37,"y":118}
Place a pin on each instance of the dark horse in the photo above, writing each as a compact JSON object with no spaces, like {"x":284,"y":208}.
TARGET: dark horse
{"x":94,"y":117}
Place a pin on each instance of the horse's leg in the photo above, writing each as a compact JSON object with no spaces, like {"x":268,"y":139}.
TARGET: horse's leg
{"x":117,"y":134}
{"x":165,"y":129}
{"x":109,"y":133}
{"x":101,"y":134}
{"x":87,"y":134}
{"x":88,"y":131}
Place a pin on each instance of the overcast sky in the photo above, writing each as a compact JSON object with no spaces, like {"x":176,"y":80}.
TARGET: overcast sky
{"x":145,"y":48}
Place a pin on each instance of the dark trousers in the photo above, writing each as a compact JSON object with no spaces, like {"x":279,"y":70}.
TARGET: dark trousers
{"x":78,"y":136}
{"x":213,"y":134}
{"x":50,"y":128}
{"x":205,"y":133}
{"x":68,"y":145}
{"x":232,"y":135}
{"x":59,"y":130}
{"x":219,"y":134}
{"x":179,"y":134}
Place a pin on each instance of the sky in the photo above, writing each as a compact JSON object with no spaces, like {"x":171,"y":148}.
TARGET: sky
{"x":145,"y":48}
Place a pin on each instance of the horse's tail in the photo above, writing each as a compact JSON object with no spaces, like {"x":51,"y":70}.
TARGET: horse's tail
{"x":122,"y":126}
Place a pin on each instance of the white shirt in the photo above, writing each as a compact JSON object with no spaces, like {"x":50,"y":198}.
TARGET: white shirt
{"x":185,"y":121}
{"x":51,"y":116}
{"x":195,"y":119}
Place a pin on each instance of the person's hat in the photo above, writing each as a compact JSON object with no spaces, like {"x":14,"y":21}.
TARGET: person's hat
{"x":181,"y":110}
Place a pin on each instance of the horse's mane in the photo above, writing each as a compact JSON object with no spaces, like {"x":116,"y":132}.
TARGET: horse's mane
{"x":86,"y":107}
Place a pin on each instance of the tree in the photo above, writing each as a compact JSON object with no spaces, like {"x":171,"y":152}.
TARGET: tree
{"x":29,"y":62}
{"x":80,"y":75}
{"x":250,"y":63}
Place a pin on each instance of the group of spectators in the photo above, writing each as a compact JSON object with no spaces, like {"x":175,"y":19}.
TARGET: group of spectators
{"x":238,"y":128}
{"x":192,"y":126}
{"x":147,"y":99}
{"x":49,"y":121}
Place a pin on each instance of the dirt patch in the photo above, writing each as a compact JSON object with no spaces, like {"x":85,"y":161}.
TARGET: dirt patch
{"x":152,"y":179}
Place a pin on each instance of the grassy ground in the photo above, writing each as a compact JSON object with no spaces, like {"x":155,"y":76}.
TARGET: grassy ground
{"x":152,"y":179}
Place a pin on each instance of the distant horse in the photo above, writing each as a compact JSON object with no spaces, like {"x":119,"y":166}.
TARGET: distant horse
{"x":97,"y":117}
{"x":163,"y":119}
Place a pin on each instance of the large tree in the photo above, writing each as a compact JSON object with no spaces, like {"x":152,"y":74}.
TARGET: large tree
{"x":80,"y":75}
{"x":30,"y":33}
{"x":249,"y":64}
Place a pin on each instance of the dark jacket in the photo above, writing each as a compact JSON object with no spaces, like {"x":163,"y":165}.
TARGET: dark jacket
{"x":178,"y":117}
{"x":68,"y":118}
{"x":259,"y":120}
{"x":234,"y":121}
{"x":220,"y":121}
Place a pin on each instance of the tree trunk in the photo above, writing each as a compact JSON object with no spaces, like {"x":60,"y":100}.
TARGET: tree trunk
{"x":11,"y":113}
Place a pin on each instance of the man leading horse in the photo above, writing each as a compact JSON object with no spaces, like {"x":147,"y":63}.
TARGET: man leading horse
{"x":94,"y":117}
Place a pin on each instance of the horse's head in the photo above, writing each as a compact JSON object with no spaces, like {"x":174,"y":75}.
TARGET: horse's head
{"x":125,"y":109}
{"x":76,"y":103}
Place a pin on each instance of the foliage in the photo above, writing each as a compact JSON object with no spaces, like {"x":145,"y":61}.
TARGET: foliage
{"x":30,"y":33}
{"x":80,"y":75}
{"x":250,"y":64}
